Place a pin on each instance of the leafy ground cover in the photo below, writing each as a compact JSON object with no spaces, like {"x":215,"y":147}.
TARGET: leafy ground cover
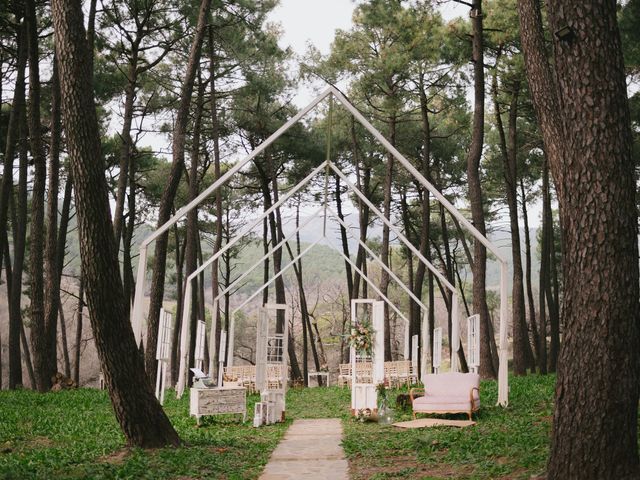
{"x":73,"y":434}
{"x":506,"y":443}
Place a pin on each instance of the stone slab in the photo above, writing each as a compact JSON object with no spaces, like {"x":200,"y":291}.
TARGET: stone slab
{"x":308,"y":447}
{"x":301,"y":469}
{"x":315,"y":428}
{"x":311,"y":449}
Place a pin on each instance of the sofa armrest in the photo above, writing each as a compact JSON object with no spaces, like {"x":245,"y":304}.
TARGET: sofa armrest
{"x":416,"y":389}
{"x":471,"y":397}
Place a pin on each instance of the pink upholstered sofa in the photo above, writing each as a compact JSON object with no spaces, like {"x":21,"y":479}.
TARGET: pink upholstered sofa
{"x":448,"y":393}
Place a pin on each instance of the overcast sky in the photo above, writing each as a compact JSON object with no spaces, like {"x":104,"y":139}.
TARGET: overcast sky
{"x":314,"y":22}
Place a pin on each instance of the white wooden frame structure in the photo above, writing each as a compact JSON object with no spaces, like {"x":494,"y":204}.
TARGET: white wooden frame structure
{"x":163,"y":353}
{"x":294,"y":260}
{"x":201,"y":331}
{"x":137,"y":313}
{"x":272,"y":350}
{"x":437,"y":349}
{"x":364,"y":394}
{"x":473,"y":342}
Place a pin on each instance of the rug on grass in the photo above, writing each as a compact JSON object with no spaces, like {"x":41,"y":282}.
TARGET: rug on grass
{"x":434,"y":422}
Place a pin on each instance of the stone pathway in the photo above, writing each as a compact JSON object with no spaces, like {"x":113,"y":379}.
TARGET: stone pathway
{"x":310,"y":450}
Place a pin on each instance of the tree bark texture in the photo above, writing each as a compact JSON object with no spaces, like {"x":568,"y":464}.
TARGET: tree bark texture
{"x":16,"y":134}
{"x":39,"y":338}
{"x":193,"y":234}
{"x":78,"y":344}
{"x":384,"y":247}
{"x":52,"y":272}
{"x":139,"y":414}
{"x":487,"y":367}
{"x":527,"y":278}
{"x":171,"y":188}
{"x":595,"y":418}
{"x":508,"y":148}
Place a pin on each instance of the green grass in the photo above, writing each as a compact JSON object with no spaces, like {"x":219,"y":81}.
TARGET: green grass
{"x":74,"y":435}
{"x":508,"y":442}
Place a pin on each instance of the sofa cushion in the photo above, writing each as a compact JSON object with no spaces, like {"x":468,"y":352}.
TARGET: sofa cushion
{"x":451,"y":383}
{"x":446,"y":403}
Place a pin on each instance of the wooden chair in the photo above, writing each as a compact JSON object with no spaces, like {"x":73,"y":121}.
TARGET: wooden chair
{"x":344,"y":376}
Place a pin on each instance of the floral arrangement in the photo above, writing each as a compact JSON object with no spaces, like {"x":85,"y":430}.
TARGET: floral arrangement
{"x":364,"y":415}
{"x":361,"y":338}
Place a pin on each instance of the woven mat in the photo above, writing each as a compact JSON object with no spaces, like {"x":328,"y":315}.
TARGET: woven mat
{"x":434,"y":422}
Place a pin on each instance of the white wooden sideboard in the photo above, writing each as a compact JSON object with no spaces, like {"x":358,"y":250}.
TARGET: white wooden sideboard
{"x":216,"y":401}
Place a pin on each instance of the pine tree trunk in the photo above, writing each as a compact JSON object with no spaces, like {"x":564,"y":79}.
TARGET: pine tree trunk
{"x":217,"y":245}
{"x":177,"y":324}
{"x":127,"y":143}
{"x":63,"y":342}
{"x":17,"y":123}
{"x":552,"y":299}
{"x":425,"y":228}
{"x":343,"y":238}
{"x":13,"y":134}
{"x":384,"y":247}
{"x":128,"y":281}
{"x":487,"y":367}
{"x":528,"y":282}
{"x":588,"y":142}
{"x":78,"y":345}
{"x":544,"y":271}
{"x":26,"y":355}
{"x":193,"y":234}
{"x":171,"y":188}
{"x":139,"y":414}
{"x":52,"y":269}
{"x":363,"y":181}
{"x":43,"y":368}
{"x":508,"y":148}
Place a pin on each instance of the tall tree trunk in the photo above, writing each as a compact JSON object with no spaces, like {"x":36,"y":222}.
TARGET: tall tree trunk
{"x":78,"y":345}
{"x":277,"y":237}
{"x":343,"y":237}
{"x":528,"y":281}
{"x":139,"y":414}
{"x":508,"y":148}
{"x":425,"y":228}
{"x":52,"y":272}
{"x":215,"y":137}
{"x":552,"y":299}
{"x":588,"y":141}
{"x":192,"y":224}
{"x":171,"y":187}
{"x":177,"y":324}
{"x":363,"y":181}
{"x":43,"y":367}
{"x":128,"y":282}
{"x":127,"y":143}
{"x":13,"y":133}
{"x":63,"y":342}
{"x":26,"y":355}
{"x":487,"y":367}
{"x":17,"y":133}
{"x":544,"y":270}
{"x":385,"y":254}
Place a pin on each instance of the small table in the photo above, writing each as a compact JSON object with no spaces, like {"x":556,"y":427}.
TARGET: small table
{"x":216,"y":401}
{"x":318,"y":374}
